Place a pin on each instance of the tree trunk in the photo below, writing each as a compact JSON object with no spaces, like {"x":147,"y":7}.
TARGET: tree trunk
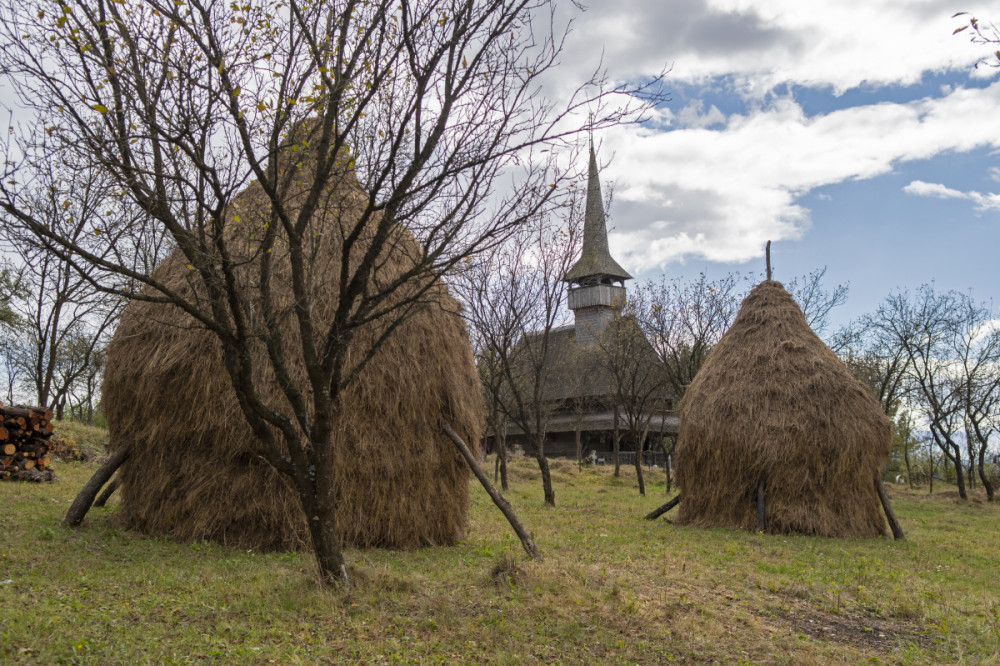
{"x":579,"y":447}
{"x":987,"y":484}
{"x":323,"y":527}
{"x":969,"y":445}
{"x":930,"y":463}
{"x":499,"y":500}
{"x":669,"y":462}
{"x":956,"y":458}
{"x":319,"y":500}
{"x":78,"y":509}
{"x":638,"y":464}
{"x":906,"y":459}
{"x":326,"y":546}
{"x":616,"y":447}
{"x":502,"y":454}
{"x":496,"y":465}
{"x":543,"y":465}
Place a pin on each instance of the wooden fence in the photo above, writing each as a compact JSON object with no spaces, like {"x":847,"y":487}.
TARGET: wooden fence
{"x":649,"y":458}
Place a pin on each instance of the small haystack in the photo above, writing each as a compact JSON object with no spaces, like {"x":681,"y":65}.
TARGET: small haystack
{"x":774,"y":405}
{"x":196,"y":472}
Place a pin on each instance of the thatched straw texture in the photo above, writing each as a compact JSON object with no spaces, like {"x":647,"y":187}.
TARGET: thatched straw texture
{"x":773,"y":403}
{"x":196,"y":471}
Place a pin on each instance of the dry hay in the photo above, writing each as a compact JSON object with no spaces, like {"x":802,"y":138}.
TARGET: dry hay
{"x":774,"y":403}
{"x":196,"y":471}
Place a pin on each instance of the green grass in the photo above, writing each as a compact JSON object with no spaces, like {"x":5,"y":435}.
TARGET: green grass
{"x":612,"y":588}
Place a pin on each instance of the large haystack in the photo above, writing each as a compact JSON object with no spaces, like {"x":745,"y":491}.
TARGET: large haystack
{"x":774,"y":404}
{"x":196,"y":471}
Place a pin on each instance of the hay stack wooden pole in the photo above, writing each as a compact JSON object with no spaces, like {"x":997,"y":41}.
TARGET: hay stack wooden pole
{"x":108,"y":491}
{"x":897,"y":529}
{"x":656,"y":513}
{"x":499,"y":500}
{"x":78,"y":509}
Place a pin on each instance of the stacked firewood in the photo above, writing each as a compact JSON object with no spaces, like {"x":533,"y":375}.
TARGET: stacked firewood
{"x":24,"y":443}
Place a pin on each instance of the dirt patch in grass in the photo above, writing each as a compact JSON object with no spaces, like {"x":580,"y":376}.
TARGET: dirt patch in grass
{"x":856,"y":630}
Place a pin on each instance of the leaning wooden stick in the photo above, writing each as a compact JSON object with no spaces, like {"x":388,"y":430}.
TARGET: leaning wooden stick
{"x":498,"y":499}
{"x":78,"y":509}
{"x":103,"y":498}
{"x":656,"y":513}
{"x":897,"y":529}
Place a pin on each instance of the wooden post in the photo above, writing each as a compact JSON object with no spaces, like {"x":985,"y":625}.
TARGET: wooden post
{"x":656,"y":513}
{"x":897,"y":529}
{"x":78,"y":509}
{"x":501,"y":502}
{"x":767,"y":255}
{"x":103,"y":498}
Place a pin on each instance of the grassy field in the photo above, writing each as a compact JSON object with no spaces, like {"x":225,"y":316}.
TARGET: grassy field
{"x":612,"y":588}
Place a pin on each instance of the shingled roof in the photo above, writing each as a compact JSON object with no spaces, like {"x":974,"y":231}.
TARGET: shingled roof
{"x":575,"y":372}
{"x":595,"y":260}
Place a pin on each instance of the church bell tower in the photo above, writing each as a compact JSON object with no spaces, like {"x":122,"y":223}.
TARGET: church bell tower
{"x":597,"y":282}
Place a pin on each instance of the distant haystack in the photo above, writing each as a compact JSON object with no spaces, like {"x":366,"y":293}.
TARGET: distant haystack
{"x":774,"y":405}
{"x":196,"y":470}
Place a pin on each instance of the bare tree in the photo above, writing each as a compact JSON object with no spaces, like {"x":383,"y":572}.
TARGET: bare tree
{"x":425,"y":105}
{"x":638,"y":381}
{"x":66,"y":316}
{"x":491,"y":377}
{"x":923,"y":328}
{"x":11,"y":328}
{"x":815,"y":300}
{"x":975,"y":340}
{"x":579,"y":382}
{"x":10,"y":286}
{"x":875,"y":358}
{"x":683,"y":321}
{"x":514,"y":301}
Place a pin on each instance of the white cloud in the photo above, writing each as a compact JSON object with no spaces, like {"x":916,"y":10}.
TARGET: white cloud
{"x":984,"y":202}
{"x":995,"y":173}
{"x":694,"y":115}
{"x":921,"y":189}
{"x":759,"y":44}
{"x":722,"y":193}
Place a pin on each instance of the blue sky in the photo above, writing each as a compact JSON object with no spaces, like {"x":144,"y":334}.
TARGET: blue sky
{"x":855,"y":135}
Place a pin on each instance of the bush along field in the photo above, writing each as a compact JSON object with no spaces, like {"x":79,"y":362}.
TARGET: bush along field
{"x":612,"y":588}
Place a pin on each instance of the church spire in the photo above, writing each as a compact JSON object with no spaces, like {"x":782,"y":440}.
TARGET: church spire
{"x":595,"y":264}
{"x":596,"y":293}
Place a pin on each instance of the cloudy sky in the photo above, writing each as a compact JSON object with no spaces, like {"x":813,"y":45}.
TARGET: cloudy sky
{"x":856,"y":134}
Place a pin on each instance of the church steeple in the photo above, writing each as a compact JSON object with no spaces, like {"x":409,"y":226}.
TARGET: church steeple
{"x":595,"y":264}
{"x":597,"y":292}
